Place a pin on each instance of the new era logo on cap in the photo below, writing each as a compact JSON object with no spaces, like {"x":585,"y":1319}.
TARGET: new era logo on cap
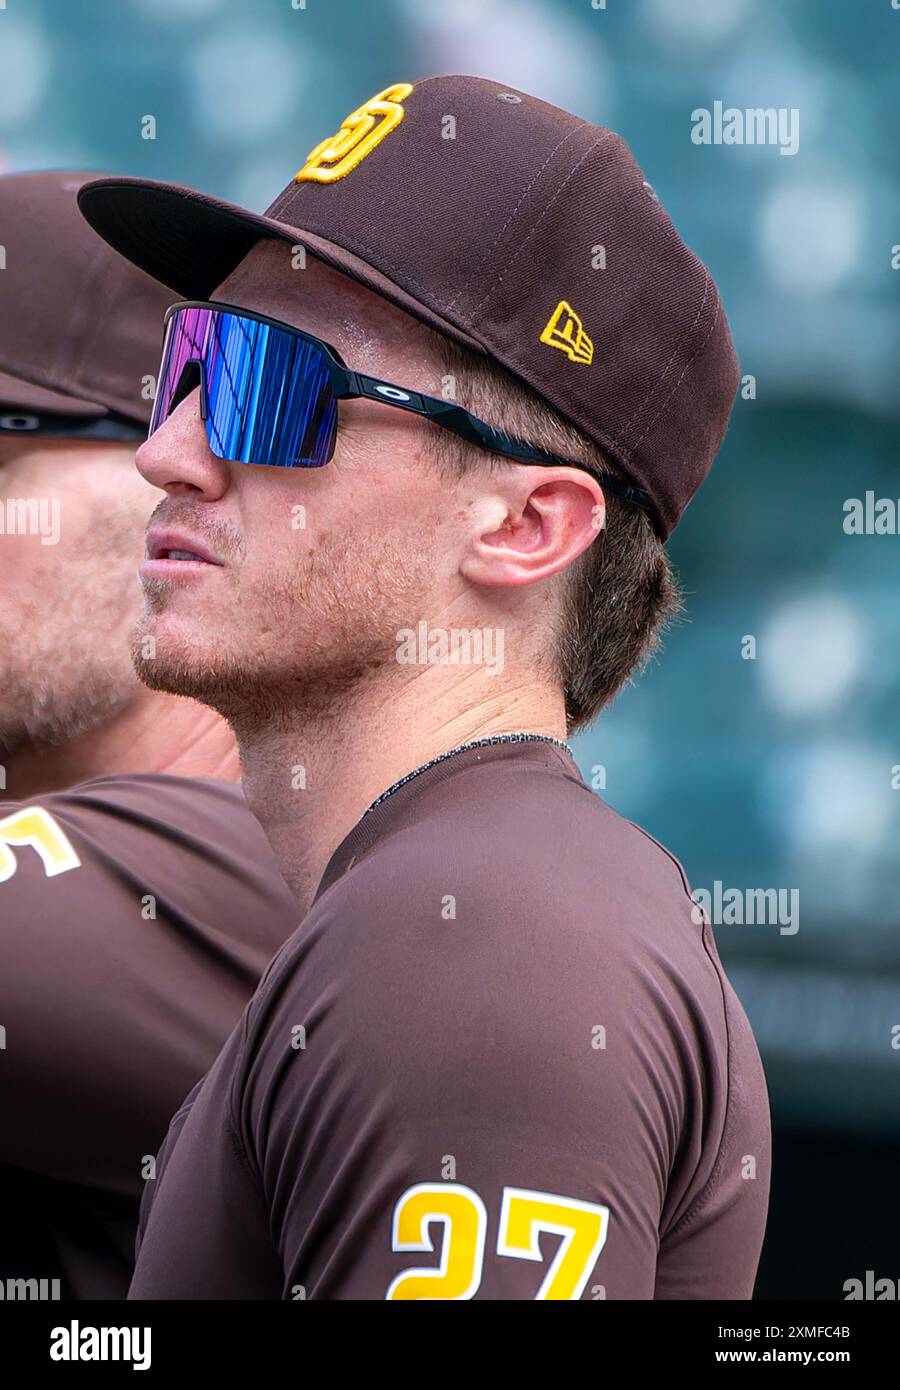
{"x":566,"y":331}
{"x":478,"y":225}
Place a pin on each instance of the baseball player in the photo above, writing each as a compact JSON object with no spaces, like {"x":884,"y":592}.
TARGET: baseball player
{"x":500,"y":1058}
{"x":139,"y":901}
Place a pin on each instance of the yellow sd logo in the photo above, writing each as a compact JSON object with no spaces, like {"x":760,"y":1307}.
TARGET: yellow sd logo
{"x":566,"y":332}
{"x":362,"y":130}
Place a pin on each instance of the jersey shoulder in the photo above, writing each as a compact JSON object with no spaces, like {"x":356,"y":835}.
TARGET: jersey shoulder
{"x":523,"y":904}
{"x":530,"y":849}
{"x":190,"y":843}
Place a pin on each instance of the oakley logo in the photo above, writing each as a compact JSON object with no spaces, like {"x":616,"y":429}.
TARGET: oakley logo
{"x":565,"y":331}
{"x":392,"y":392}
{"x":19,"y":422}
{"x":361,"y":131}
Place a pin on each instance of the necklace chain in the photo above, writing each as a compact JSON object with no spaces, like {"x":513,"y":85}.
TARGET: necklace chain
{"x":460,"y":748}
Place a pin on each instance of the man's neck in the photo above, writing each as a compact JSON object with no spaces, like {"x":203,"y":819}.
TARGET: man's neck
{"x":309,"y":780}
{"x":153,"y":733}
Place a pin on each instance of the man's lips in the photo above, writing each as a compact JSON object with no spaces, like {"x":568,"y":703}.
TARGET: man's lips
{"x":174,"y":552}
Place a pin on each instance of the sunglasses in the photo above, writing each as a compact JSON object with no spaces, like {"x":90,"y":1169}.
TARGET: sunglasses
{"x":269,"y":394}
{"x":58,"y":426}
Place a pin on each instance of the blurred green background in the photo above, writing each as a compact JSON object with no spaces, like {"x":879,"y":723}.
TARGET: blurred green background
{"x":769,"y":773}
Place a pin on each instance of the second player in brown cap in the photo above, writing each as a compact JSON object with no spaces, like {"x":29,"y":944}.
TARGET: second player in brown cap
{"x":139,"y":900}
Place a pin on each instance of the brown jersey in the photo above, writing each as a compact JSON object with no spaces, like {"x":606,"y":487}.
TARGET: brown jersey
{"x":499,"y":1059}
{"x":137,"y":914}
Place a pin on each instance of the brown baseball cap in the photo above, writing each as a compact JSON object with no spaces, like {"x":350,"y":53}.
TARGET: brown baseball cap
{"x":515,"y":228}
{"x":80,"y":327}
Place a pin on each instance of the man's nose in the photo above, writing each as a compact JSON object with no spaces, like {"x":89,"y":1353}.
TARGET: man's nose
{"x":177,"y":457}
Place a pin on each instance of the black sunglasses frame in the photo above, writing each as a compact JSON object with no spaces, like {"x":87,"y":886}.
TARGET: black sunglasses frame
{"x":49,"y":425}
{"x":349,"y":385}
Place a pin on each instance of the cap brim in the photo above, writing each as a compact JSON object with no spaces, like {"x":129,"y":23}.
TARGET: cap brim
{"x":192,"y":241}
{"x":25,"y":395}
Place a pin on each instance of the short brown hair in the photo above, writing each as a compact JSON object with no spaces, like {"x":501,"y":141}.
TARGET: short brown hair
{"x":622,"y":592}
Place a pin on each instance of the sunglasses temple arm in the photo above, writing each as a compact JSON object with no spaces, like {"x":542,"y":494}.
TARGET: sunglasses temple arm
{"x":484,"y":436}
{"x":458,"y":421}
{"x":447,"y":414}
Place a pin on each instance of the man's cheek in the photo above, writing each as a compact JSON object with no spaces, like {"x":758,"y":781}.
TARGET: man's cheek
{"x":29,"y":573}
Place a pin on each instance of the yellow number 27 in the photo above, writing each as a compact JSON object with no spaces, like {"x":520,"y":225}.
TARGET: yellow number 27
{"x":524,"y":1217}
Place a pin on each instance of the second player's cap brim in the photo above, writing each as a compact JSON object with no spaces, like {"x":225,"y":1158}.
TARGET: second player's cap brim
{"x":193,"y":241}
{"x":16,"y":394}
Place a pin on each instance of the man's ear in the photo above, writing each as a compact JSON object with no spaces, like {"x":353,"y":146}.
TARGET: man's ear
{"x":532,"y":523}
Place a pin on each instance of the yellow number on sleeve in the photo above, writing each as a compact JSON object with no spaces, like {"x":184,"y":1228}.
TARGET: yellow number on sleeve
{"x":35,"y":827}
{"x":524,"y":1216}
{"x":461,"y":1213}
{"x":583,"y":1226}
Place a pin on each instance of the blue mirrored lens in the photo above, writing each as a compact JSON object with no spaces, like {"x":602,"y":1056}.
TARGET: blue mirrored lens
{"x":268,"y":392}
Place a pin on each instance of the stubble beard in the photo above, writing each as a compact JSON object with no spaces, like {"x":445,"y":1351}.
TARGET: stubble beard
{"x":64,"y":668}
{"x":45,"y":708}
{"x":253,"y":674}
